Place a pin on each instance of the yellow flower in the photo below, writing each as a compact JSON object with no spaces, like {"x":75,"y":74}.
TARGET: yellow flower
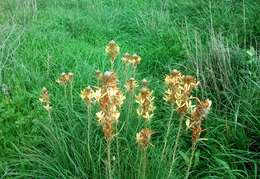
{"x":145,"y":100}
{"x":135,"y":60}
{"x":65,"y":78}
{"x":87,"y":95}
{"x":110,"y":99}
{"x":112,"y":49}
{"x":143,"y":137}
{"x":131,"y":84}
{"x":99,"y":75}
{"x":45,"y":99}
{"x":126,"y":58}
{"x":179,"y":88}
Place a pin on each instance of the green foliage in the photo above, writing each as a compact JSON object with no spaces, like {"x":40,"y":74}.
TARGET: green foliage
{"x":217,"y":41}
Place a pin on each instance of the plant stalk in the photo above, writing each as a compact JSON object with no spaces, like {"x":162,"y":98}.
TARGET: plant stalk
{"x":176,"y":146}
{"x":167,"y":134}
{"x":190,"y":161}
{"x":109,"y":168}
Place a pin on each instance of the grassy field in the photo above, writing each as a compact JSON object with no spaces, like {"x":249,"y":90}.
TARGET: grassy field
{"x":217,"y":42}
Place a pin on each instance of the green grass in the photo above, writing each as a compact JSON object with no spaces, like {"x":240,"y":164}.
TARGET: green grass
{"x":208,"y":39}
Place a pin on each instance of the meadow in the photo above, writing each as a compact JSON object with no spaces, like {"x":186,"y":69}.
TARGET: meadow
{"x":52,"y":125}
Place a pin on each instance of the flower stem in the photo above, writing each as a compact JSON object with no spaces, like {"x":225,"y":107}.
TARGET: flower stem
{"x":71,"y":95}
{"x":109,"y":168}
{"x":167,"y":134}
{"x":176,"y":146}
{"x":190,"y":161}
{"x":144,"y":163}
{"x":89,"y":128}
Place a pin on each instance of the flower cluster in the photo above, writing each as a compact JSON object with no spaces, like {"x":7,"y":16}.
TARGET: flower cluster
{"x":145,"y":100}
{"x":179,"y":88}
{"x":112,"y":50}
{"x":65,"y":78}
{"x":45,"y":99}
{"x":131,"y":84}
{"x":200,"y":111}
{"x":143,"y":137}
{"x":133,"y":60}
{"x":110,"y":99}
{"x":87,"y":95}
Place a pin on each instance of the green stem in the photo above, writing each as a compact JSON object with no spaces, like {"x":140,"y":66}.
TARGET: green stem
{"x":71,"y":95}
{"x":190,"y":161}
{"x":109,"y":168}
{"x":167,"y":134}
{"x":117,"y":149}
{"x":144,"y":163}
{"x":89,"y":128}
{"x":176,"y":146}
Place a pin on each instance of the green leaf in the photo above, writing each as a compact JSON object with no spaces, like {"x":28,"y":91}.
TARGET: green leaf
{"x":185,"y":157}
{"x":196,"y":158}
{"x":222,"y":163}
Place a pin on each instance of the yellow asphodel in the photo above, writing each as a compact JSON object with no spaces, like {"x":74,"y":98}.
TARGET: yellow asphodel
{"x":65,"y":78}
{"x":145,"y":100}
{"x":45,"y":99}
{"x":112,"y":50}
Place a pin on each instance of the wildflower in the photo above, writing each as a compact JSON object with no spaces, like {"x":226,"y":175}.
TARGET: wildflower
{"x":145,"y":101}
{"x":65,"y":78}
{"x":87,"y":95}
{"x":179,"y":88}
{"x":135,"y":60}
{"x":131,"y":84}
{"x":174,"y":78}
{"x":126,"y":58}
{"x":45,"y":99}
{"x":189,"y":84}
{"x":143,"y":137}
{"x":197,"y":115}
{"x":98,"y":75}
{"x":112,"y":49}
{"x":110,"y":99}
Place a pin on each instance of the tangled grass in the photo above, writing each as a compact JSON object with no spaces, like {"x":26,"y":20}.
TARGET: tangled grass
{"x":163,"y":134}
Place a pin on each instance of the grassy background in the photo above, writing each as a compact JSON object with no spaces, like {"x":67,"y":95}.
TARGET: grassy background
{"x":218,"y":41}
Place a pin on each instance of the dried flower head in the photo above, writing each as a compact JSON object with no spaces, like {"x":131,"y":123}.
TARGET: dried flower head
{"x":87,"y":95}
{"x":145,"y":100}
{"x":45,"y":99}
{"x":143,"y":137}
{"x":189,"y":84}
{"x":65,"y":78}
{"x":112,"y":49}
{"x":197,"y":115}
{"x":131,"y":84}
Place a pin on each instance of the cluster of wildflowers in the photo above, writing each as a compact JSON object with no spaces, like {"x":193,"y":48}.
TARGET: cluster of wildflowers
{"x":65,"y":78}
{"x":179,"y":90}
{"x":109,"y":98}
{"x":133,"y":60}
{"x":45,"y":99}
{"x":145,"y":100}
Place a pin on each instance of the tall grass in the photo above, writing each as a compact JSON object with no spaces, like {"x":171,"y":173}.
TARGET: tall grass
{"x":215,"y":41}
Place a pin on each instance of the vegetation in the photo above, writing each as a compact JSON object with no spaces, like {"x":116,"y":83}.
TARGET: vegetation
{"x":52,"y":49}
